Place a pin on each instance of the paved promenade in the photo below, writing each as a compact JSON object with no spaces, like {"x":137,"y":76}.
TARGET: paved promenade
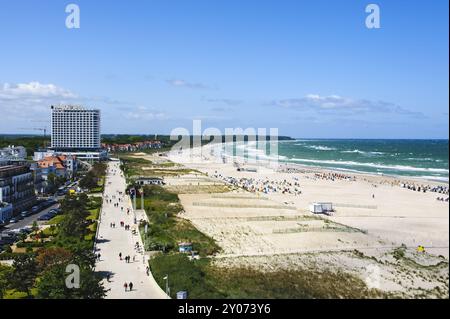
{"x":112,"y":241}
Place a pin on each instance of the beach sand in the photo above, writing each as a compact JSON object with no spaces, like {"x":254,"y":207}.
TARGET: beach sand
{"x":373,"y":216}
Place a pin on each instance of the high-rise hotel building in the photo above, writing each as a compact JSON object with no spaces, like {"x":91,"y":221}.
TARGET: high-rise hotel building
{"x":75,"y":128}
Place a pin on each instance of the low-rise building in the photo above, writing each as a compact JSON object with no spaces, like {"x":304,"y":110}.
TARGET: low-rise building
{"x":98,"y":155}
{"x":149,"y":181}
{"x":133,"y":147}
{"x":61,"y":166}
{"x":6,"y":212}
{"x":17,"y":187}
{"x":13,"y":152}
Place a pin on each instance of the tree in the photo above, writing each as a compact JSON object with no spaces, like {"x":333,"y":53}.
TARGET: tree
{"x":52,"y":284}
{"x":50,"y":257}
{"x":7,"y":248}
{"x":4,"y":282}
{"x":24,"y":274}
{"x":34,"y":227}
{"x":74,"y":223}
{"x":54,"y":182}
{"x":89,"y":181}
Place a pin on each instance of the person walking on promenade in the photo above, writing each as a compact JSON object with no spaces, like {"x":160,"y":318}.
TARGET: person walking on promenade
{"x":120,"y":256}
{"x":131,"y":286}
{"x":125,"y":285}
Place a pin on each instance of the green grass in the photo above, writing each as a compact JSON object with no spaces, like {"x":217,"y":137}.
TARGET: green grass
{"x":14,"y":294}
{"x":55,"y":220}
{"x":50,"y":231}
{"x":134,"y":167}
{"x":202,"y":280}
{"x":94,"y":214}
{"x":166,"y":230}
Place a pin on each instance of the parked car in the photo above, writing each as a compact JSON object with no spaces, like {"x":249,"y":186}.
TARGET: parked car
{"x":51,"y":213}
{"x":25,"y":214}
{"x":13,"y":220}
{"x":25,"y":230}
{"x":34,"y":209}
{"x":45,"y":217}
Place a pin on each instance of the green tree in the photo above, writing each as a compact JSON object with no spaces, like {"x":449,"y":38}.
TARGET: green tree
{"x":24,"y":274}
{"x":89,"y":181}
{"x":75,"y":212}
{"x":52,"y":285}
{"x":4,"y":281}
{"x":34,"y":227}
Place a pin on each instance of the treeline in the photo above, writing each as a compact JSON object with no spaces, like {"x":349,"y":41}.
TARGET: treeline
{"x":30,"y":142}
{"x":130,"y":139}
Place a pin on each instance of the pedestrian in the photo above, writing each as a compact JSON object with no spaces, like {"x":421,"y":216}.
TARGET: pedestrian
{"x":131,"y":286}
{"x":98,"y":257}
{"x":120,"y":256}
{"x":125,"y":285}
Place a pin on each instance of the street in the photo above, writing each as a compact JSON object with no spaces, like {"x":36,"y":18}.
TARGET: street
{"x":111,"y":241}
{"x":28,"y":221}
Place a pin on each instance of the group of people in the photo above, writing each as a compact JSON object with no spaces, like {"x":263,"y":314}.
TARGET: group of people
{"x":127,"y":258}
{"x":426,"y":188}
{"x":128,"y":286}
{"x":265,"y":186}
{"x":331,"y":176}
{"x":116,"y":201}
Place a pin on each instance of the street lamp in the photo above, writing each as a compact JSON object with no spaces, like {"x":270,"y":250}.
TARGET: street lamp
{"x":166,"y":278}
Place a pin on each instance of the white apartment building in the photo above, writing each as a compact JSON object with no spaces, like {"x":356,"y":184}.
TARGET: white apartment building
{"x":13,"y":152}
{"x":75,"y":128}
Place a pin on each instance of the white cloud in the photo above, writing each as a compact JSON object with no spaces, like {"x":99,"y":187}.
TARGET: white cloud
{"x":33,"y":90}
{"x":189,"y":85}
{"x":335,"y":104}
{"x":144,"y":113}
{"x":230,"y":102}
{"x":25,"y":101}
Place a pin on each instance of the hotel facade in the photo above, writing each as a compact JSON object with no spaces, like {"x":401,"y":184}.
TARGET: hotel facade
{"x":76,"y":132}
{"x":75,"y":128}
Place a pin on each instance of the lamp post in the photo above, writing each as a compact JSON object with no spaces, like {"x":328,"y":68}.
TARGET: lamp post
{"x":166,"y":278}
{"x":142,"y":198}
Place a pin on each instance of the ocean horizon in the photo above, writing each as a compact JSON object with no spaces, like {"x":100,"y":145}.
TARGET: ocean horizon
{"x":412,"y":158}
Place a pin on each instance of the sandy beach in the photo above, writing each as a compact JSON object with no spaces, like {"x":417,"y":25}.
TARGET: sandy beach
{"x":264,"y":221}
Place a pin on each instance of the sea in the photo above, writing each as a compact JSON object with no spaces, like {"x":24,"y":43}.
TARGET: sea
{"x":424,"y":159}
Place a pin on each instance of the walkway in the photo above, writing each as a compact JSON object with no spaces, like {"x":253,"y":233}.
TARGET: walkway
{"x":112,"y":241}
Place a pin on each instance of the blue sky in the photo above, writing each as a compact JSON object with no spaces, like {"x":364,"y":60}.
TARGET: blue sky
{"x":308,"y":68}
